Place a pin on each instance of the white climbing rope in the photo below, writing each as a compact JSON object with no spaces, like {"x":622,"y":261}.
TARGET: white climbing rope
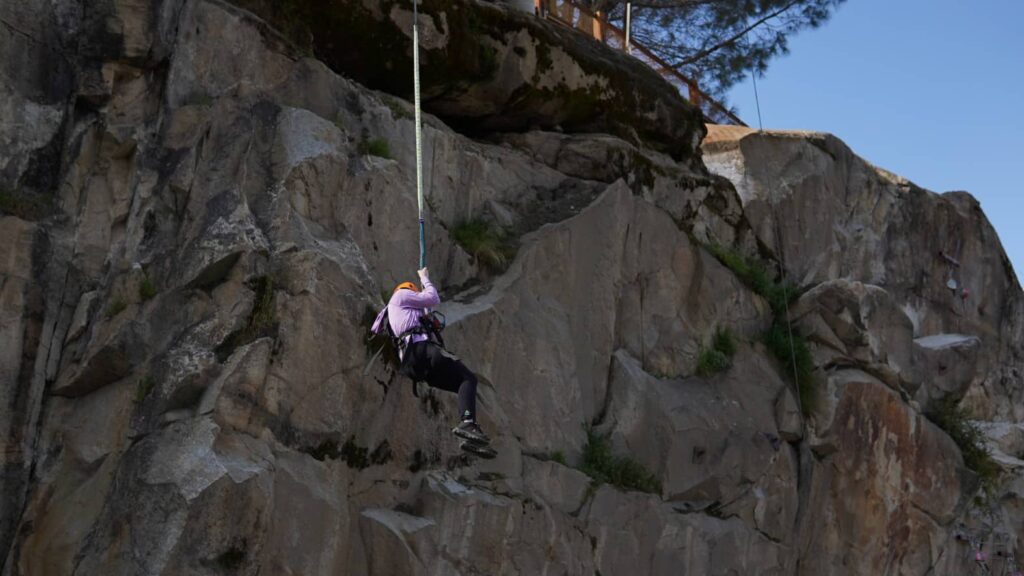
{"x":419,"y":135}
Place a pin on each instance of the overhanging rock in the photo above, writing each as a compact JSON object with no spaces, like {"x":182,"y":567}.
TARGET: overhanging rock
{"x":488,"y":68}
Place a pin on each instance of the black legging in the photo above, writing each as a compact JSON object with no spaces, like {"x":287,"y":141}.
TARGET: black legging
{"x":428,"y":362}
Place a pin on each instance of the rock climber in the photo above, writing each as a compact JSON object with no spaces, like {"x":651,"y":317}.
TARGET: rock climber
{"x":423,"y":357}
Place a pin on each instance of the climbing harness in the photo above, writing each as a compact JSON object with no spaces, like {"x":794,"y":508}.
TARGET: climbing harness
{"x":431,"y":324}
{"x":419,"y":134}
{"x":782,"y":264}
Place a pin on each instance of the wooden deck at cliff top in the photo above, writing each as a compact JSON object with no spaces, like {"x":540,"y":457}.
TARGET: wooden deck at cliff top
{"x":573,"y":15}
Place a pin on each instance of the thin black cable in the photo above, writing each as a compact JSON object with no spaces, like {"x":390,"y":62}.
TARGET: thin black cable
{"x":782,"y":266}
{"x":757,"y":101}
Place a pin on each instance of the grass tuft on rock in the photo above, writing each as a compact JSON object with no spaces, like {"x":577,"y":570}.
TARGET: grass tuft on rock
{"x":485,"y":242}
{"x":724,"y":342}
{"x":757,"y":277}
{"x":488,"y":61}
{"x":116,"y":307}
{"x":145,"y":386}
{"x":948,"y":415}
{"x":789,"y":351}
{"x":622,"y":472}
{"x":711,"y":362}
{"x":375,"y":147}
{"x":262,"y":320}
{"x":146,"y":288}
{"x":717,"y":357}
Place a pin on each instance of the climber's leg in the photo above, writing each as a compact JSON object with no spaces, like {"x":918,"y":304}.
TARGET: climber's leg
{"x":448,"y":373}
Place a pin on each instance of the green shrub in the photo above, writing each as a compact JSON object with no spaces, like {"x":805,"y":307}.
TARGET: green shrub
{"x":757,"y":277}
{"x":262,"y":320}
{"x":724,"y":342}
{"x":487,"y":244}
{"x":711,"y":362}
{"x":116,"y":307}
{"x":948,"y":415}
{"x":794,"y":350}
{"x":375,"y":147}
{"x":558,"y":456}
{"x":488,"y":61}
{"x":600,"y":464}
{"x":718,"y":357}
{"x":146,"y":288}
{"x":779,"y":295}
{"x":143,"y":389}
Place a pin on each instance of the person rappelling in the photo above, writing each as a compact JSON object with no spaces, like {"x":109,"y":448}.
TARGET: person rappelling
{"x":416,"y":334}
{"x":414,"y":329}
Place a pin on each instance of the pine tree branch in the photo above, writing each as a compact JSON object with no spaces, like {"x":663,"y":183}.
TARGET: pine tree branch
{"x":708,"y":51}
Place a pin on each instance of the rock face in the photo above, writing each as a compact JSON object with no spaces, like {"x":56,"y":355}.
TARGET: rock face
{"x":198,"y":221}
{"x":899,"y":287}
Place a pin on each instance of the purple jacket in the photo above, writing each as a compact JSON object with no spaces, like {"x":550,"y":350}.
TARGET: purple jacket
{"x":405,"y":308}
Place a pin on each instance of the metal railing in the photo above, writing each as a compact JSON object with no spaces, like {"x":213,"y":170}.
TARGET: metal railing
{"x":568,"y":13}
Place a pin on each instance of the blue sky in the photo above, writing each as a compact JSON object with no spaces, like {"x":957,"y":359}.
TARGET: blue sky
{"x":932,"y":90}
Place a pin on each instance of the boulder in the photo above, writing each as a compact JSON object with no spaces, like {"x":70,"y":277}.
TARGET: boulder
{"x":882,"y":497}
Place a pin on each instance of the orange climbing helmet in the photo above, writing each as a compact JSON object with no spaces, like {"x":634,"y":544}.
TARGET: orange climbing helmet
{"x":407,"y":286}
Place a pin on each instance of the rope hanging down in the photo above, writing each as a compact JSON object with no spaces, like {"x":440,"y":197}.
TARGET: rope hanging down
{"x":782,"y":264}
{"x":419,"y":136}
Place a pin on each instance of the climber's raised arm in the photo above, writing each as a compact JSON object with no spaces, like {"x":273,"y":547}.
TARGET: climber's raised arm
{"x":426,"y":298}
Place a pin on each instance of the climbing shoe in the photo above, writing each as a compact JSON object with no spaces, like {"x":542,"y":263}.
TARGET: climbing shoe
{"x":469,"y":430}
{"x":478,"y":449}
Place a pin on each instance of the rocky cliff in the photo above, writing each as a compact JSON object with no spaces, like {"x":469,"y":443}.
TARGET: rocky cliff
{"x":203,"y":205}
